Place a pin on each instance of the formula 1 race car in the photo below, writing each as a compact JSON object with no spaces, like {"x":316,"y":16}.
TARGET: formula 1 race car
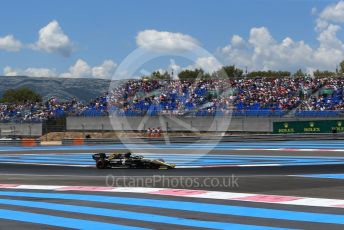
{"x":128,"y":160}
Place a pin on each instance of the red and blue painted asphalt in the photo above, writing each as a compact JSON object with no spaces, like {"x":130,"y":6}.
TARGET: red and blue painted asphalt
{"x":110,"y":208}
{"x":272,"y":202}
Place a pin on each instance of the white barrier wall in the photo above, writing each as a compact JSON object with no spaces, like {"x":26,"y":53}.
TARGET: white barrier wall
{"x":13,"y":129}
{"x":171,"y":123}
{"x":175,"y":123}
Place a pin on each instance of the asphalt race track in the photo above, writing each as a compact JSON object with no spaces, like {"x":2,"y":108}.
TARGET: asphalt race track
{"x":251,"y":187}
{"x":265,"y":180}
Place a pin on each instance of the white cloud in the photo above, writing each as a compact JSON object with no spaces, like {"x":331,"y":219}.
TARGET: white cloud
{"x":262,"y":52}
{"x":328,"y":38}
{"x":321,"y":25}
{"x":333,"y":12}
{"x":260,"y":38}
{"x":165,"y":41}
{"x":208,"y":64}
{"x":238,"y":41}
{"x":52,"y":39}
{"x":175,"y":68}
{"x":9,"y":43}
{"x":331,"y":49}
{"x":105,"y":70}
{"x":81,"y":69}
{"x":31,"y":72}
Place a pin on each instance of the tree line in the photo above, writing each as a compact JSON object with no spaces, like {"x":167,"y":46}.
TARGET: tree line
{"x":20,"y":95}
{"x":232,"y":71}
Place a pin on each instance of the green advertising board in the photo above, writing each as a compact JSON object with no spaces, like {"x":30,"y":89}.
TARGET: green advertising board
{"x":317,"y":126}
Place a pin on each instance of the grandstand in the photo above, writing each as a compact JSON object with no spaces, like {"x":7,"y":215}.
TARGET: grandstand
{"x":255,"y":97}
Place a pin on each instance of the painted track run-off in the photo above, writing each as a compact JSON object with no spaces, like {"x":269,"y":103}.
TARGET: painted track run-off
{"x":296,"y":185}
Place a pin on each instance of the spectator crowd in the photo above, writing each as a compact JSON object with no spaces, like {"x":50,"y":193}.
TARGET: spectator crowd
{"x":301,"y":96}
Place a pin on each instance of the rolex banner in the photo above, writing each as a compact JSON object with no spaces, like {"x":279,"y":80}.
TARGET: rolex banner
{"x":324,"y":126}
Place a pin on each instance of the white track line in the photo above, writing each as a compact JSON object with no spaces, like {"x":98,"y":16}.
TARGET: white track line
{"x":248,"y":197}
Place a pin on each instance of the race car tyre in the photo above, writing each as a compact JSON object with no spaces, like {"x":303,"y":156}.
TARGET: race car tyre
{"x":162,"y":160}
{"x":101,"y":164}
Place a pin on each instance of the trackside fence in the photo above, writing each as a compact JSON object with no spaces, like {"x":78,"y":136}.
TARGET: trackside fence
{"x":25,"y":142}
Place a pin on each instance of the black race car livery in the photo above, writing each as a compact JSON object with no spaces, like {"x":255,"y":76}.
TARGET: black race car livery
{"x":128,"y":160}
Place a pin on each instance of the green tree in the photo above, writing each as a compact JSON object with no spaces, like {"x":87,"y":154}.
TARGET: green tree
{"x":325,"y":73}
{"x":299,"y":73}
{"x":341,"y":67}
{"x":192,"y":74}
{"x":158,"y":75}
{"x":270,"y":73}
{"x":20,"y":95}
{"x":229,"y":72}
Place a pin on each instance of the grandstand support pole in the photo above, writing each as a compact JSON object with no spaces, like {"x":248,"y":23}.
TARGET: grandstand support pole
{"x":46,"y":132}
{"x":102,"y":130}
{"x":64,"y":133}
{"x":30,"y":133}
{"x":216,"y":126}
{"x":83,"y":130}
{"x":270,"y":125}
{"x":242,"y":124}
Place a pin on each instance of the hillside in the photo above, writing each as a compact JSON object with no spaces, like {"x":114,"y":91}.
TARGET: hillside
{"x":63,"y":88}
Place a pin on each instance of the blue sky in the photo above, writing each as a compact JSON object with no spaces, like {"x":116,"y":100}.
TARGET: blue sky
{"x":107,"y":30}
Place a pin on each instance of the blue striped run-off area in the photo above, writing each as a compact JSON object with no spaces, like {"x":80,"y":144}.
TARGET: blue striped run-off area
{"x":92,"y":206}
